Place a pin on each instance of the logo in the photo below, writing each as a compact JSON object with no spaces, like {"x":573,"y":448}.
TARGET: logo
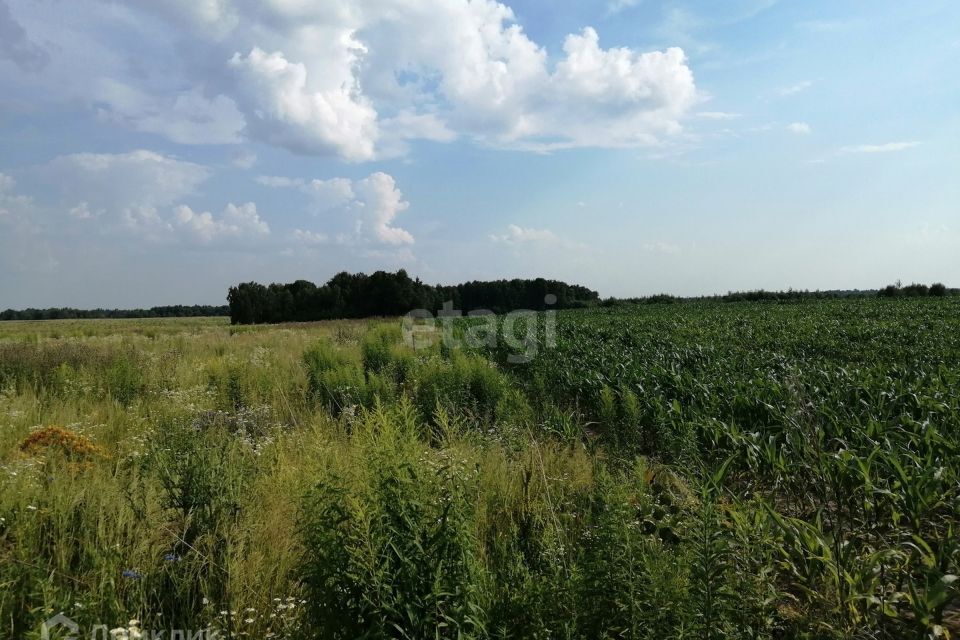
{"x":59,"y":620}
{"x":523,"y":331}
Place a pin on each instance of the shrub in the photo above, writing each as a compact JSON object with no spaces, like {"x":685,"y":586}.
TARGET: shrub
{"x":202,"y":476}
{"x":377,"y":346}
{"x":465,"y":383}
{"x":123,"y":378}
{"x":390,"y":550}
{"x":383,"y":353}
{"x":322,"y":357}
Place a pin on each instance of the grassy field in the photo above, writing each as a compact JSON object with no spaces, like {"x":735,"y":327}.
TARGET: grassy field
{"x":664,"y":471}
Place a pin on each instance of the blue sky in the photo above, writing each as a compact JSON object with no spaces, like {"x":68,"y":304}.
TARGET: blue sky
{"x":155,"y":153}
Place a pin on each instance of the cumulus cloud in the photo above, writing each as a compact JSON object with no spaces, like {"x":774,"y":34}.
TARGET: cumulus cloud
{"x":16,"y":47}
{"x":380,"y":200}
{"x":181,"y":223}
{"x":332,"y":193}
{"x":638,"y":97}
{"x":283,"y":109}
{"x":888,"y":147}
{"x":236,"y":222}
{"x":371,"y":205}
{"x":141,"y":193}
{"x":799,"y":128}
{"x":359,"y":80}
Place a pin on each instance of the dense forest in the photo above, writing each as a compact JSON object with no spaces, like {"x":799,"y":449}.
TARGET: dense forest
{"x":67,"y":313}
{"x":381,"y":293}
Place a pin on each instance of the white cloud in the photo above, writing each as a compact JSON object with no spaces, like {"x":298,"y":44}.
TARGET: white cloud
{"x":521,"y":236}
{"x":516,"y":235}
{"x":360,"y":79}
{"x":332,"y":193}
{"x":7,"y":183}
{"x":141,"y":194}
{"x":371,"y":204}
{"x":380,"y":200}
{"x":282,"y":109}
{"x":409,"y":125}
{"x":794,"y":88}
{"x":613,"y":97}
{"x":800,"y":128}
{"x":325,"y":194}
{"x":717,"y":115}
{"x":236,"y":222}
{"x":888,"y":147}
{"x":616,"y":6}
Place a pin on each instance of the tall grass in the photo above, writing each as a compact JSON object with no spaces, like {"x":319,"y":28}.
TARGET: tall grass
{"x":735,"y":471}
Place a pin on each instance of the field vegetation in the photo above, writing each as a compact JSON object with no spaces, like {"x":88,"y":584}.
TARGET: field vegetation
{"x":696,"y":470}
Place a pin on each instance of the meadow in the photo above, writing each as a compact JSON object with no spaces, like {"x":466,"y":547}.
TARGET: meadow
{"x":690,"y":470}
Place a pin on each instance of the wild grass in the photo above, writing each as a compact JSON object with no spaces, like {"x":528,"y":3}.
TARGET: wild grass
{"x":682,"y":471}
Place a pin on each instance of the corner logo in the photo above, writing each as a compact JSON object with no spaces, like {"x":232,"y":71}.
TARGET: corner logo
{"x":59,"y":620}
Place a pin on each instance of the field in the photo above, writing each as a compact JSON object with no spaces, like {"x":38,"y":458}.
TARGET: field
{"x":694,"y":470}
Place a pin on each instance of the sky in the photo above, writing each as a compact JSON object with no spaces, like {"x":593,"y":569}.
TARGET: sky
{"x":157,"y":153}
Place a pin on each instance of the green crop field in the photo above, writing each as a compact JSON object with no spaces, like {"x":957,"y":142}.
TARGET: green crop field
{"x":689,"y":470}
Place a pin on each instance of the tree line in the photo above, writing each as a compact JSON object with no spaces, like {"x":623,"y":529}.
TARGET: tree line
{"x":358,"y":295}
{"x":67,"y":313}
{"x":389,"y":294}
{"x":916,"y":290}
{"x":795,"y":295}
